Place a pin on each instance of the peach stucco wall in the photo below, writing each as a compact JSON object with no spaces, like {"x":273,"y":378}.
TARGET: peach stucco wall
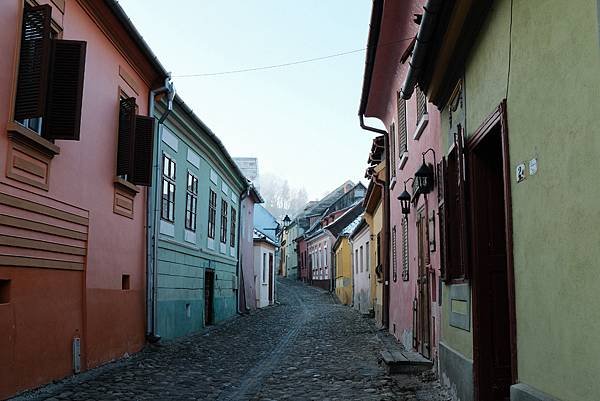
{"x":48,"y":307}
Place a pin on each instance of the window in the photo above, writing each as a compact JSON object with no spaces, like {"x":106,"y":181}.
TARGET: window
{"x":264,"y":268}
{"x":421,"y":104}
{"x":394,"y":260}
{"x":402,"y":135}
{"x":356,"y":260}
{"x":233,"y":227}
{"x":392,"y":150}
{"x":168,"y":189}
{"x":50,"y":78}
{"x":368,"y":256}
{"x":361,"y":259}
{"x":212,"y":213}
{"x":135,"y":143}
{"x":224,"y":208}
{"x":191,"y":202}
{"x":325,"y":256}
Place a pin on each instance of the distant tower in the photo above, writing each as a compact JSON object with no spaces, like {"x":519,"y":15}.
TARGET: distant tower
{"x":249,"y":166}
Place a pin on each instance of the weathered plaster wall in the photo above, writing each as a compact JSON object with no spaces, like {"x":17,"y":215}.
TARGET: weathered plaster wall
{"x":362,"y":279}
{"x":343,"y":272}
{"x":552,"y":109}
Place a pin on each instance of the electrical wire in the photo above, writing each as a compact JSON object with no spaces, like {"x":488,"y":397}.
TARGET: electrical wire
{"x":304,"y":61}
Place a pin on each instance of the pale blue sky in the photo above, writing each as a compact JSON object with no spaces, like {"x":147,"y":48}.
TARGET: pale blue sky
{"x":300,"y":121}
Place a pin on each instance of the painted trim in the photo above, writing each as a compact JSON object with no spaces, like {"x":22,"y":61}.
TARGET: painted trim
{"x":403,"y":160}
{"x":167,"y":228}
{"x":169,"y":137}
{"x":190,"y":236}
{"x":421,"y":126}
{"x":193,"y":158}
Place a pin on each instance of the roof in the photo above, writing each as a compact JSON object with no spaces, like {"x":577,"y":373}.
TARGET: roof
{"x":118,"y":11}
{"x":259,"y":236}
{"x":374,"y":28}
{"x":341,"y":223}
{"x":215,"y":139}
{"x":359,"y":227}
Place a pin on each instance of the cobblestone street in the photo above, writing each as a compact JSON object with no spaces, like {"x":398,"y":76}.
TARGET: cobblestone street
{"x":307,"y":348}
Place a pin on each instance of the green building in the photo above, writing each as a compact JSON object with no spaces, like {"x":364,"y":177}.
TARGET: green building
{"x":194,"y":223}
{"x":518,"y":84}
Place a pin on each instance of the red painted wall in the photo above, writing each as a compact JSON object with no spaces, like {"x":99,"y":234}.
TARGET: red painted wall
{"x":48,"y":307}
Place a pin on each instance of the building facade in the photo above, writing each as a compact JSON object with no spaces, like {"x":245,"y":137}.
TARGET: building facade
{"x":413,"y":145}
{"x":342,"y":248}
{"x":264,"y":269}
{"x":247,"y":289}
{"x":360,"y":240}
{"x":72,"y":225}
{"x":197,"y":219}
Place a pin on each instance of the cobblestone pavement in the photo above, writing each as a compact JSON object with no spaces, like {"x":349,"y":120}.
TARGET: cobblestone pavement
{"x":307,"y":348}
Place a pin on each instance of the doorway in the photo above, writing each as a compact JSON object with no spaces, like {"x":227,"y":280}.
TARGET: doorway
{"x":209,"y":288}
{"x":270,"y":279}
{"x":423,"y":297}
{"x":491,"y":247}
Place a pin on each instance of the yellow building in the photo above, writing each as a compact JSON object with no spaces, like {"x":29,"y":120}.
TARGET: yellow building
{"x":341,"y":229}
{"x":343,"y":270}
{"x":374,"y":211}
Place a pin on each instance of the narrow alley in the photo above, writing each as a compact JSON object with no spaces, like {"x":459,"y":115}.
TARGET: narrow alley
{"x":306,"y":348}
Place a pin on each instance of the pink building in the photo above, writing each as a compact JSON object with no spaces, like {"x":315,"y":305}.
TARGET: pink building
{"x":77,"y":82}
{"x":413,"y":140}
{"x":247,"y":290}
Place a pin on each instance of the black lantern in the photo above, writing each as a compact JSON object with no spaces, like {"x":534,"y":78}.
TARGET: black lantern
{"x":404,"y":199}
{"x":424,"y":177}
{"x":286,"y":221}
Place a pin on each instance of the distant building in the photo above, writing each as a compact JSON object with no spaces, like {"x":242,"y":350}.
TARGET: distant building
{"x":249,"y":166}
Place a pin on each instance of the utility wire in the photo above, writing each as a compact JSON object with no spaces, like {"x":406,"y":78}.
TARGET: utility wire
{"x":269,"y":67}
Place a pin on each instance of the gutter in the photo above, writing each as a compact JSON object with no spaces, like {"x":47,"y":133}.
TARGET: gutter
{"x":152,"y":213}
{"x":386,"y":220}
{"x":424,"y":37}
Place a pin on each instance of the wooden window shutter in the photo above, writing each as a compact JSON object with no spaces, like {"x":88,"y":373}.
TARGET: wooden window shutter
{"x":443,"y":218}
{"x":402,"y":135}
{"x":126,"y":137}
{"x":462,"y":202}
{"x":32,"y":81}
{"x":142,"y":154}
{"x":392,"y":149}
{"x":65,"y":90}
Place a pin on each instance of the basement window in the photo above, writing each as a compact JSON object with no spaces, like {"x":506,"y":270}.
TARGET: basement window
{"x":125,"y":282}
{"x":4,"y":291}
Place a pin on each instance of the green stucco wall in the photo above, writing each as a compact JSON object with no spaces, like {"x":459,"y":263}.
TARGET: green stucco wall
{"x":553,"y":107}
{"x":460,"y":340}
{"x":184,"y":256}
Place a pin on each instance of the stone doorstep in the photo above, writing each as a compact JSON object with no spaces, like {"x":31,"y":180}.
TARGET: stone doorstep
{"x":397,"y":362}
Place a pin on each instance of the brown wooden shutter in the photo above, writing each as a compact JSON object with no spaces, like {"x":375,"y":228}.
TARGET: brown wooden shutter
{"x":443,"y":202}
{"x":126,"y":137}
{"x":142,"y":153}
{"x":32,"y":82}
{"x":462,"y":203}
{"x":65,"y":90}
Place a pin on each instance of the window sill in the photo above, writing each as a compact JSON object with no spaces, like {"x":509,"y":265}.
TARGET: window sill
{"x":125,"y":185}
{"x":27,"y":137}
{"x":403,"y":160}
{"x":421,"y":127}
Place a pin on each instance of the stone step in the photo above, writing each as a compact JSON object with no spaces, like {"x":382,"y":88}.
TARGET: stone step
{"x":397,"y":362}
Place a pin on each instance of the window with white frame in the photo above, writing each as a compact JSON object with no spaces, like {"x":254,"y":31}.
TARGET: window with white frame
{"x":168,"y":189}
{"x":191,"y":202}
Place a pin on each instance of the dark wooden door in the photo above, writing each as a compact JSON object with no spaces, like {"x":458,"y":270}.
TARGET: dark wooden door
{"x":490,"y":274}
{"x":270,"y":278}
{"x":423,"y":297}
{"x":209,"y":285}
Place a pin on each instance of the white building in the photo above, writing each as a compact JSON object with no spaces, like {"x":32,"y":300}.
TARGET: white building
{"x":264,"y":269}
{"x":249,"y":166}
{"x":361,"y":273}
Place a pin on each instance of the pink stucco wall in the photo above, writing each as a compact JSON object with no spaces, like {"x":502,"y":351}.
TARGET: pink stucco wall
{"x":89,"y":304}
{"x":388,"y":77}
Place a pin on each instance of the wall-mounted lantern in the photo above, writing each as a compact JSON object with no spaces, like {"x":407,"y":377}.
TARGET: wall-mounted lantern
{"x":425,"y":176}
{"x":404,"y":199}
{"x":286,"y":221}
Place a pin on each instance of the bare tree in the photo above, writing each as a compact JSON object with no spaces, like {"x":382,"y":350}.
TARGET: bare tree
{"x":279,"y":198}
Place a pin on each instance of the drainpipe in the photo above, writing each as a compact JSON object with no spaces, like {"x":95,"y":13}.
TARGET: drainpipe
{"x":239,"y":266}
{"x":384,"y":184}
{"x":417,"y":61}
{"x":152,"y":213}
